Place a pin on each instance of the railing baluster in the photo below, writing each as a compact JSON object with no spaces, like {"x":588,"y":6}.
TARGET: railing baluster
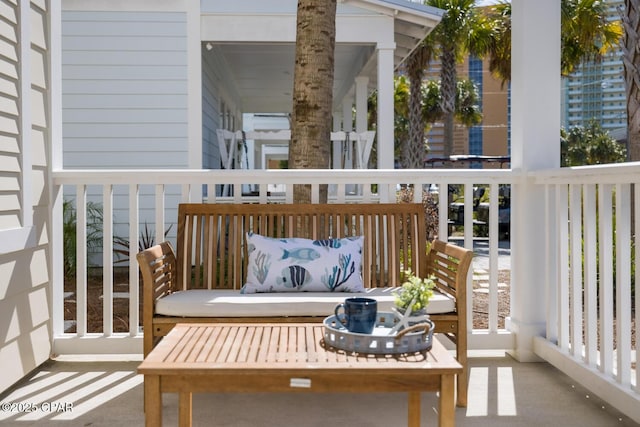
{"x":159,"y":207}
{"x":563,"y":267}
{"x":107,"y":261}
{"x":468,"y":216}
{"x":494,"y":235}
{"x":134,"y":285}
{"x":606,"y":277}
{"x":552,"y":261}
{"x":81,"y":260}
{"x":575,"y":264}
{"x":590,"y":275}
{"x":623,"y":283}
{"x":443,"y":211}
{"x":340,"y":194}
{"x":262,"y":192}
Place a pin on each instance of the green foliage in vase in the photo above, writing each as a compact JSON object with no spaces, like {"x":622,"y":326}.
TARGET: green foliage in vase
{"x":414,"y":289}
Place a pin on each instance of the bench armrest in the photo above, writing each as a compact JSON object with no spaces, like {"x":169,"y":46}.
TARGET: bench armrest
{"x":159,"y":274}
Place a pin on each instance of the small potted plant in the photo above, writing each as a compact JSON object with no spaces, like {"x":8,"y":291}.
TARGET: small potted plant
{"x":414,"y":289}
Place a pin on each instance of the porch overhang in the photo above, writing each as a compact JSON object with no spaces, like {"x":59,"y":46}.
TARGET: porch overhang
{"x":257,"y":48}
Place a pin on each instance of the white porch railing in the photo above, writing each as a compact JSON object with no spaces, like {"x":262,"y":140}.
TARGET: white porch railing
{"x":129,"y":198}
{"x":587,"y":275}
{"x":590,"y":305}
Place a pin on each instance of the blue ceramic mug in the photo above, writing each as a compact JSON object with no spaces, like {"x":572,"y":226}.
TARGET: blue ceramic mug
{"x":359,"y":314}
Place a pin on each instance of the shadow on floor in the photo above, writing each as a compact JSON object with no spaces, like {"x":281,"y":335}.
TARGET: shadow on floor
{"x":502,"y":392}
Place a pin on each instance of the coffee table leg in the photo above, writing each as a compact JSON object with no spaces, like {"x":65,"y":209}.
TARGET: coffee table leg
{"x":152,"y":401}
{"x":447,"y":410}
{"x":184,"y":410}
{"x":414,"y":409}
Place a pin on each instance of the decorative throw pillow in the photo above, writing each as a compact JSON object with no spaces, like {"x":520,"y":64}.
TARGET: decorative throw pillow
{"x":303,"y":265}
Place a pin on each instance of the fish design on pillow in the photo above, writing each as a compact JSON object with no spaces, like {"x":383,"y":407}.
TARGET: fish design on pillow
{"x":301,"y":254}
{"x":328,"y":243}
{"x":294,"y":276}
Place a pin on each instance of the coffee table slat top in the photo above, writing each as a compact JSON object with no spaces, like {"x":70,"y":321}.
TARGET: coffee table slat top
{"x":283,"y":346}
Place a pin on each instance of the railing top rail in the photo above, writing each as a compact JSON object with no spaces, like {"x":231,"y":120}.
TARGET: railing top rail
{"x":306,"y":176}
{"x":617,"y":173}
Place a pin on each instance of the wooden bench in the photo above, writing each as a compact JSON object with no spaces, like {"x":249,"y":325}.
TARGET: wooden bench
{"x":212,"y":254}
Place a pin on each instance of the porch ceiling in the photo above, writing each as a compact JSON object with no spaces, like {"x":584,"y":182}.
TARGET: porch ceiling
{"x":258,"y":51}
{"x":263,"y":73}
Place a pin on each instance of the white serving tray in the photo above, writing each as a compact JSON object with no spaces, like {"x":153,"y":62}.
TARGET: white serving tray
{"x":418,"y":337}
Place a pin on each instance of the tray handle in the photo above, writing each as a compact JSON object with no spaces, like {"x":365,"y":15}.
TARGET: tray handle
{"x":418,"y":326}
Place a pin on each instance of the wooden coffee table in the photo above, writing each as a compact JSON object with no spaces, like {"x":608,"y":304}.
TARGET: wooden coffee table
{"x":240,"y":357}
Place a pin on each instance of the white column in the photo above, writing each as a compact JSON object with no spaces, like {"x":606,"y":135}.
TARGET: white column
{"x":347,"y":144}
{"x":385,"y":105}
{"x":362,"y":84}
{"x":194,"y":97}
{"x":385,"y":113}
{"x":337,"y":151}
{"x":347,"y":126}
{"x":347,"y":113}
{"x":535,"y":107}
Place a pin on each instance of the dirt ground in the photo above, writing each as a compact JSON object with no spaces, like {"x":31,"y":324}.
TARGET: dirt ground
{"x":481,"y":302}
{"x":94,"y":302}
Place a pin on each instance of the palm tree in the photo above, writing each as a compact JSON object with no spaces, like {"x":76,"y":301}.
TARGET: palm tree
{"x":312,"y":91}
{"x":631,"y":58}
{"x":462,"y":30}
{"x":413,"y":150}
{"x":429,"y":111}
{"x":586,"y":35}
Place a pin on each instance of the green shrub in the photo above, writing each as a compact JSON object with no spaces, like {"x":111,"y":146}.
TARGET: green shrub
{"x":69,"y":233}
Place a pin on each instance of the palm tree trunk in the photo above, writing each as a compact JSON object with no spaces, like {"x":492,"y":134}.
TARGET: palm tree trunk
{"x":448,"y":87}
{"x":413,"y":151}
{"x":312,"y":92}
{"x":631,"y":59}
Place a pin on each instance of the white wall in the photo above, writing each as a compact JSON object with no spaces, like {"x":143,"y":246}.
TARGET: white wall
{"x":25,"y":138}
{"x":125,"y":97}
{"x":124,"y":89}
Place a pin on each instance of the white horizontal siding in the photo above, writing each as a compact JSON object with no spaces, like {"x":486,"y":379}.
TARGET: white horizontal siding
{"x":124,"y":89}
{"x":25,"y":229}
{"x":10,"y":144}
{"x":123,"y":130}
{"x":124,"y":72}
{"x":149,"y":101}
{"x":123,"y":144}
{"x":113,"y":160}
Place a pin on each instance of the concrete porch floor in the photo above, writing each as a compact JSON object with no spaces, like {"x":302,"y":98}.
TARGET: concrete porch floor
{"x":85,"y":392}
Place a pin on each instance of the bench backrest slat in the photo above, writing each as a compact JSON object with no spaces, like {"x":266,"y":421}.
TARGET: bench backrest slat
{"x":213,"y":253}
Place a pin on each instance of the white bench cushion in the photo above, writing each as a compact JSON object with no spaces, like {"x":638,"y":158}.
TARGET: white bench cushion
{"x":230,"y":303}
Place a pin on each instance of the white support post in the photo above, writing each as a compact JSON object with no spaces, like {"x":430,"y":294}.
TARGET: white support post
{"x":347,"y":127}
{"x":362,"y":83}
{"x":194,"y":93}
{"x":337,"y":153}
{"x":385,"y":114}
{"x":348,"y":160}
{"x":362,"y":92}
{"x":535,"y":110}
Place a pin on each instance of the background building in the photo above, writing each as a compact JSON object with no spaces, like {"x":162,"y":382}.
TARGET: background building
{"x":492,"y":136}
{"x":597,"y":90}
